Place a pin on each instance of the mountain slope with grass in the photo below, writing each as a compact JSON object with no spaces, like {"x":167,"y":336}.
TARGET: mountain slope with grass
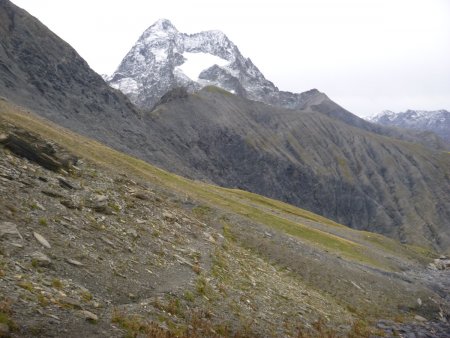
{"x":108,"y":245}
{"x":321,"y":158}
{"x":360,"y":179}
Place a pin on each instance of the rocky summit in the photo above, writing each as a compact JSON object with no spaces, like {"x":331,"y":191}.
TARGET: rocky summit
{"x":164,"y":58}
{"x":437,"y":121}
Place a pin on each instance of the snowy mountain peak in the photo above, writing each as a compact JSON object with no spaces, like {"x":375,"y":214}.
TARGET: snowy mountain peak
{"x":437,"y":121}
{"x":385,"y":114}
{"x":162,"y":25}
{"x":164,"y":58}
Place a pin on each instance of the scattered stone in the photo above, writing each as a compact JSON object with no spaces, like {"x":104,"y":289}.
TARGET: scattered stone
{"x":70,"y":204}
{"x":40,"y":259}
{"x":100,"y":199}
{"x":209,"y":237}
{"x":356,"y":285}
{"x":53,"y":316}
{"x":442,"y":263}
{"x":89,"y":316}
{"x":74,"y":262}
{"x":101,"y":204}
{"x":73,"y":303}
{"x":168,"y":216}
{"x":39,"y":206}
{"x":132,"y":232}
{"x":8,"y":229}
{"x":432,"y":266}
{"x":51,"y":193}
{"x":419,"y":301}
{"x":41,"y":239}
{"x":420,"y":318}
{"x":142,"y":196}
{"x":104,"y":209}
{"x":107,"y":241}
{"x":66,"y":184}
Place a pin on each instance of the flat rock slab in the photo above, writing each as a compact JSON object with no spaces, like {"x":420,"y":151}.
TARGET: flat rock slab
{"x":40,"y":259}
{"x":41,"y":239}
{"x":89,"y":316}
{"x":8,"y":229}
{"x":37,"y":150}
{"x":74,"y":262}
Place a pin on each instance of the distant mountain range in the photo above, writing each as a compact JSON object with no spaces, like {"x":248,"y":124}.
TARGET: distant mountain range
{"x":437,"y":121}
{"x":318,"y":156}
{"x":164,"y":58}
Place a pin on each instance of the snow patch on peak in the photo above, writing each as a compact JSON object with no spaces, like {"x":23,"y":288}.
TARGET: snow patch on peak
{"x":195,"y":63}
{"x":385,"y":114}
{"x":159,"y":54}
{"x":437,"y":121}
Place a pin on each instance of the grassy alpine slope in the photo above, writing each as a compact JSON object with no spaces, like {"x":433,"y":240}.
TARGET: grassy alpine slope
{"x":168,"y":254}
{"x":321,"y":158}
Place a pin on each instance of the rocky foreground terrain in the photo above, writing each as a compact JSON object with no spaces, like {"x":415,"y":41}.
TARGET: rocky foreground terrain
{"x":96,"y":243}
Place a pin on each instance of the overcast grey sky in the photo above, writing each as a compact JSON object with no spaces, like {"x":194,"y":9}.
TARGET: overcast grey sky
{"x":367,"y":55}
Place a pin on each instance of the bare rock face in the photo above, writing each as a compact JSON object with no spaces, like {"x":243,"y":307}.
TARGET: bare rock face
{"x":34,"y":149}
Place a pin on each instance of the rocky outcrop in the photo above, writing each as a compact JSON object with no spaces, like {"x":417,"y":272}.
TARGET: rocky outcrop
{"x":34,"y":149}
{"x":441,"y":263}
